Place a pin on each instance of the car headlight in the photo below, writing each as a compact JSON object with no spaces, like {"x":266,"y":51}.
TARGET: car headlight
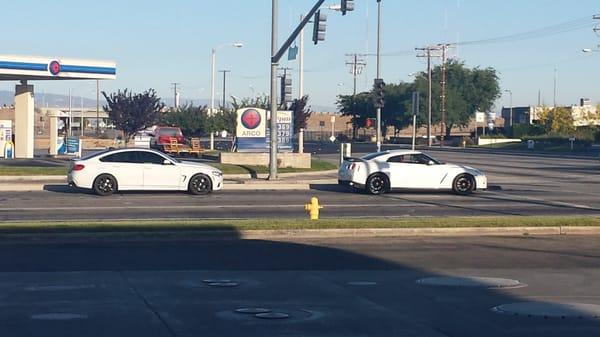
{"x":217,"y":173}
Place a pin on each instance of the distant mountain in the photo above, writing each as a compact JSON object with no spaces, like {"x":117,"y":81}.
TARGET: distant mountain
{"x":62,"y":101}
{"x":51,"y":100}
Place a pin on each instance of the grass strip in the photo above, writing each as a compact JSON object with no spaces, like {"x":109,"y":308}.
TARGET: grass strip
{"x":293,"y":224}
{"x":317,"y":165}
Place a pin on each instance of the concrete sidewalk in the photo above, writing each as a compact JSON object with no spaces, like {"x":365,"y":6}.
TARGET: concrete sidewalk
{"x":287,"y":181}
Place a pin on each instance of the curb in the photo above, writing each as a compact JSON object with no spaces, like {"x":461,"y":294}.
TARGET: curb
{"x":299,"y":234}
{"x":292,"y":186}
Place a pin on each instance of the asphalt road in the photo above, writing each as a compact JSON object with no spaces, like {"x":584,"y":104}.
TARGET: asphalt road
{"x":344,"y":287}
{"x":519,"y":185}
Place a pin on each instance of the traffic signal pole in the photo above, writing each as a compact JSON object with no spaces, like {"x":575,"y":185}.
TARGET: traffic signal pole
{"x":378,"y":71}
{"x":275,"y":58}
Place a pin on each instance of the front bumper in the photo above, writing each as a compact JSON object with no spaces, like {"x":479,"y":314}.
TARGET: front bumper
{"x":217,"y":182}
{"x":481,"y":182}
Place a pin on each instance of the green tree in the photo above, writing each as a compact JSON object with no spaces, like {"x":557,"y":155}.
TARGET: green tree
{"x":359,"y":107}
{"x":193,"y":120}
{"x":467,"y":91}
{"x":300,"y":112}
{"x":133,"y":112}
{"x":558,"y":121}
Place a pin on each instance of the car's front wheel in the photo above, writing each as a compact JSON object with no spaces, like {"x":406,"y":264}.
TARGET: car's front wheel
{"x":377,"y":184}
{"x":200,"y":184}
{"x":105,"y":184}
{"x":464,"y":184}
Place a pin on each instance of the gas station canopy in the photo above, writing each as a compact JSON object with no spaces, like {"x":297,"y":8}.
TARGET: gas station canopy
{"x":33,"y":68}
{"x":24,"y":68}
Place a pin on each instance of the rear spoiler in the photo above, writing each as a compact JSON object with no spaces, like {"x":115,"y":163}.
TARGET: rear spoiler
{"x":353,"y":159}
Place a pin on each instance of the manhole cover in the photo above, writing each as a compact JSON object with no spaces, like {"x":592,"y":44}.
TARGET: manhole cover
{"x":540,"y":309}
{"x":252,"y":311}
{"x":224,"y":284}
{"x":272,"y":315}
{"x":474,"y":282}
{"x":362,"y":283}
{"x":58,"y":316}
{"x":217,"y":281}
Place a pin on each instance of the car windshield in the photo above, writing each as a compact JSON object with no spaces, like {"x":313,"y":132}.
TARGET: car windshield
{"x":436,"y":161}
{"x":171,"y":158}
{"x":169,"y":132}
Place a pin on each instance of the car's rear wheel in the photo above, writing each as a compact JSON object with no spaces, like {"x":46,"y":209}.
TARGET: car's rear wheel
{"x":105,"y":184}
{"x":377,"y":184}
{"x":200,"y":184}
{"x":464,"y":184}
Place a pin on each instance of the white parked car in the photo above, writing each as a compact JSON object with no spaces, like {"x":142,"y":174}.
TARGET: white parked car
{"x":142,"y":169}
{"x":381,"y":172}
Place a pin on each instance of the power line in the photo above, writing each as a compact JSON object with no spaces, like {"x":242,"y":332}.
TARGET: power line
{"x":560,"y":28}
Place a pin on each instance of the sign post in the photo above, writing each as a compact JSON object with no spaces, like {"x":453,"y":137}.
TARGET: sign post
{"x":415,"y":111}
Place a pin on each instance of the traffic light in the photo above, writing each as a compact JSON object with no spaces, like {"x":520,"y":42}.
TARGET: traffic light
{"x":347,"y":6}
{"x":379,"y":93}
{"x":320,"y":25}
{"x":286,"y":89}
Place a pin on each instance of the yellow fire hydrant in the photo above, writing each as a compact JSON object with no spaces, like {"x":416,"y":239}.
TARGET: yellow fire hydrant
{"x":313,"y":208}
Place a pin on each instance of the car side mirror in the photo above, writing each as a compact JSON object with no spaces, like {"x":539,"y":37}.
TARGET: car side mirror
{"x":167,"y":162}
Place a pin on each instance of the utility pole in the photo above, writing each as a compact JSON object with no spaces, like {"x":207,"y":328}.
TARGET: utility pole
{"x":175,"y":94}
{"x":274,"y":65}
{"x":443,"y":96}
{"x":224,"y":86}
{"x":428,"y":54}
{"x":357,"y":63}
{"x":555,"y":80}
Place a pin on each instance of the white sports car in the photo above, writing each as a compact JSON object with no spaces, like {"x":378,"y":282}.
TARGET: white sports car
{"x":381,"y":172}
{"x":142,"y":169}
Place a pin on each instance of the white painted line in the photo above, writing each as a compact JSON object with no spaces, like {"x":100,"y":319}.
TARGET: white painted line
{"x":59,"y":287}
{"x":192,"y":207}
{"x":58,"y":316}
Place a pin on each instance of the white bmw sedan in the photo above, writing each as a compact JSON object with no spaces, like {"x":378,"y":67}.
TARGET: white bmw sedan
{"x":141,"y":169}
{"x":385,"y":171}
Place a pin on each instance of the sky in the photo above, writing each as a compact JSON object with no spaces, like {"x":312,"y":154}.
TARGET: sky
{"x":155,"y":43}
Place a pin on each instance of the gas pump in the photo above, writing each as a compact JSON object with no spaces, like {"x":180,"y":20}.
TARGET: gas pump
{"x":6,"y":144}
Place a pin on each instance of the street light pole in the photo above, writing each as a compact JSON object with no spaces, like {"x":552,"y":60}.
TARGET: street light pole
{"x":378,"y":72}
{"x":511,"y":108}
{"x":212,"y":83}
{"x":274,"y":65}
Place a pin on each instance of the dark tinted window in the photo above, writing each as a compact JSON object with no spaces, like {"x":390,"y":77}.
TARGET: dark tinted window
{"x":169,"y":132}
{"x":149,"y":157}
{"x":121,"y":157}
{"x":396,"y":159}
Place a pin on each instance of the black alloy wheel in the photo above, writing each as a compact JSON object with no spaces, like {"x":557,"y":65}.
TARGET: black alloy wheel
{"x":377,"y":184}
{"x":200,"y":184}
{"x":105,"y":184}
{"x":464,"y":184}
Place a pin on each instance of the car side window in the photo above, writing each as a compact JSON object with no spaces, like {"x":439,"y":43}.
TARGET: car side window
{"x":396,"y":159}
{"x":121,"y":157}
{"x":150,"y":158}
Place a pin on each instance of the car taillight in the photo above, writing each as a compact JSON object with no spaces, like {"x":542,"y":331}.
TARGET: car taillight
{"x":353,"y":166}
{"x":78,"y":167}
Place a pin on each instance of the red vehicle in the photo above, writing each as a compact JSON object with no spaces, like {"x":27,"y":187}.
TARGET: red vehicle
{"x":163,"y":135}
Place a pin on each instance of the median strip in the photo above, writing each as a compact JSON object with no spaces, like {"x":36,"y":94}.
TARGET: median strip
{"x":299,"y":228}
